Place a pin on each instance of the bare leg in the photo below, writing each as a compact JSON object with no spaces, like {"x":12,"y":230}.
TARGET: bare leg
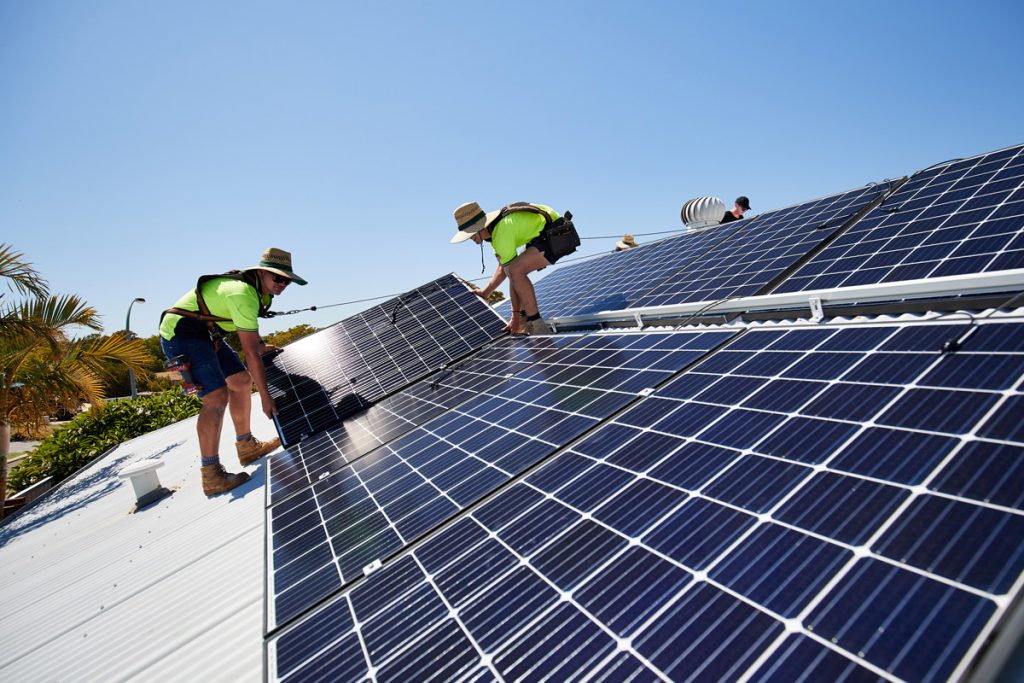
{"x":211,"y":419}
{"x":518,"y":271}
{"x":240,"y":401}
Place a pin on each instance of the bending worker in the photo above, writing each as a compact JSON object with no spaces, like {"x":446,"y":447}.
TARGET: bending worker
{"x":193,"y":329}
{"x":546,"y":236}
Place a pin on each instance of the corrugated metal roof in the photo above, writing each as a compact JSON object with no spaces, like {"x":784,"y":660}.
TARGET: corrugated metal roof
{"x":172,"y":592}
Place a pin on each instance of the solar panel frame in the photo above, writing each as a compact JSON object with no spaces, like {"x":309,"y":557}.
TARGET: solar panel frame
{"x":533,"y":518}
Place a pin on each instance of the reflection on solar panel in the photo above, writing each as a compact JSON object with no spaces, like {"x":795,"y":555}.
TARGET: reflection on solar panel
{"x":324,"y":536}
{"x":818,"y":502}
{"x":306,"y":462}
{"x":329,"y":375}
{"x":963,"y":217}
{"x":752,"y":258}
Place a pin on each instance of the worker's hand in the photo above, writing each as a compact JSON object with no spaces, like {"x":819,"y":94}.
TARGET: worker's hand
{"x":269,"y":407}
{"x":480,"y":293}
{"x":266,"y":348}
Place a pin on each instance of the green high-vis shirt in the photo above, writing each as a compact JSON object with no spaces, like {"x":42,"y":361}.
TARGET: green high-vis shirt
{"x":226,"y":298}
{"x":516,"y":230}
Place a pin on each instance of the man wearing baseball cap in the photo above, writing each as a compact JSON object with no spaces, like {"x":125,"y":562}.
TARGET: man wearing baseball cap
{"x":742,"y":205}
{"x":193,"y":328}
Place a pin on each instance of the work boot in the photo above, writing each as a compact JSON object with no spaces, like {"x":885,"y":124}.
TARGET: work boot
{"x":252,"y":449}
{"x":538,"y":327}
{"x":216,"y":480}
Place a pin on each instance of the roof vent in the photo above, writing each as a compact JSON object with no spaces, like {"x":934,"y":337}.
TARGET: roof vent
{"x":145,"y":481}
{"x":702,"y":212}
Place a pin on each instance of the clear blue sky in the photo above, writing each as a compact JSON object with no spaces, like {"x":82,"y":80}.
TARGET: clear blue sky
{"x":143,"y":144}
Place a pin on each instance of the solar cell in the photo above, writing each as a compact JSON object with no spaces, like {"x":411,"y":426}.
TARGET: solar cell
{"x":965,"y":216}
{"x":695,"y":535}
{"x":324,"y":534}
{"x":318,"y":381}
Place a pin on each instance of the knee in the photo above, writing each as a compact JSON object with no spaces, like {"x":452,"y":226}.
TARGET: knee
{"x":240,"y":381}
{"x":215,"y":402}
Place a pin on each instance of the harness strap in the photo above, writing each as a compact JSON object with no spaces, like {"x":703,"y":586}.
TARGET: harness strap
{"x":204,"y":315}
{"x":522,"y":206}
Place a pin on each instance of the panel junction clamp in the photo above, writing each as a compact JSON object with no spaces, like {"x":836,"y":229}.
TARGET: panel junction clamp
{"x":817,"y":312}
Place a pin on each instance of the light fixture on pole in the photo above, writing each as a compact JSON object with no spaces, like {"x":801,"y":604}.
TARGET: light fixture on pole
{"x":128,"y":334}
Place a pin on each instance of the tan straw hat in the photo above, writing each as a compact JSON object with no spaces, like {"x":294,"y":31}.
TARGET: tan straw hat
{"x":471,"y":219}
{"x":278,"y":261}
{"x":627,"y":242}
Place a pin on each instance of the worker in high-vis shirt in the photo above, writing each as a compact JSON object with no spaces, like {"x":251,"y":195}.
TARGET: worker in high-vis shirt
{"x":190,"y":334}
{"x":536,"y":227}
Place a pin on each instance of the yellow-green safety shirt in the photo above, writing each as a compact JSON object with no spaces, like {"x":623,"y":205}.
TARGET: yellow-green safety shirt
{"x":517,"y":229}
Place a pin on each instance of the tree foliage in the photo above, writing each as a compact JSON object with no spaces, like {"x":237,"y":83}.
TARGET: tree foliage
{"x":290,"y":335}
{"x":91,"y":434}
{"x":42,"y":367}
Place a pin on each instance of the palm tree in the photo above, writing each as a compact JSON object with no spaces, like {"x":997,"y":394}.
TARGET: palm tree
{"x":40,"y":365}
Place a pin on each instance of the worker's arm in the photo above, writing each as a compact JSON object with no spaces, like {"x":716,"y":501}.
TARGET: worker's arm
{"x":496,"y":280}
{"x":251,"y":346}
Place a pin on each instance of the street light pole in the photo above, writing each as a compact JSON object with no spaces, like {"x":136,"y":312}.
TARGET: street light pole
{"x":128,"y":333}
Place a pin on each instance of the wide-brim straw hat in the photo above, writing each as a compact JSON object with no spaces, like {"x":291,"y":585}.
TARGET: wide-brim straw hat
{"x":278,"y":261}
{"x":627,"y":242}
{"x":471,"y":219}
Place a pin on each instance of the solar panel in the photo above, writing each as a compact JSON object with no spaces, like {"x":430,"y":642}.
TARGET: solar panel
{"x":324,"y":536}
{"x":809,"y":502}
{"x":753,"y":258}
{"x":319,"y":380}
{"x":965,"y":216}
{"x":295,"y":468}
{"x":617,"y":280}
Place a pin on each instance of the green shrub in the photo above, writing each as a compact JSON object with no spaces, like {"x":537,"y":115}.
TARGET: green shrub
{"x":91,"y":434}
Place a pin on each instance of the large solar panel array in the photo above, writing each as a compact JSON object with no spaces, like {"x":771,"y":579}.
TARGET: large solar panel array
{"x":324,"y":536}
{"x":832,"y":502}
{"x":329,"y":375}
{"x":752,"y":258}
{"x":966,"y":216}
{"x":789,"y":500}
{"x":737,"y":259}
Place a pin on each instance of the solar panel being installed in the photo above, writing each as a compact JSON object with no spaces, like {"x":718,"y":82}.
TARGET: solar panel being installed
{"x":835,"y":501}
{"x":965,"y":216}
{"x":320,"y":380}
{"x":323,"y":537}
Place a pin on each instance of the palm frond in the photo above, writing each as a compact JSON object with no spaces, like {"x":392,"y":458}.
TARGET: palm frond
{"x":20,"y":275}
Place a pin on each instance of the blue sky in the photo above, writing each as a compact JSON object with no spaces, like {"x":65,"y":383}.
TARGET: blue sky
{"x":143,"y":144}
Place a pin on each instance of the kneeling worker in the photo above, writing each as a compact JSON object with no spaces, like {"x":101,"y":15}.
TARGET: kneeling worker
{"x":546,"y":236}
{"x":193,"y":329}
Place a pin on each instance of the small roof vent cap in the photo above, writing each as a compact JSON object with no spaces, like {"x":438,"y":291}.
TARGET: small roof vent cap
{"x":145,"y":481}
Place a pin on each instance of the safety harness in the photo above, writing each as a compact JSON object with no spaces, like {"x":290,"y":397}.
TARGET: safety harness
{"x":560,"y":234}
{"x":203,"y":315}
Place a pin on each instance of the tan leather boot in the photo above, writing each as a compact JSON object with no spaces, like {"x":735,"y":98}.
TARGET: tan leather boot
{"x":252,"y":449}
{"x":216,"y":480}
